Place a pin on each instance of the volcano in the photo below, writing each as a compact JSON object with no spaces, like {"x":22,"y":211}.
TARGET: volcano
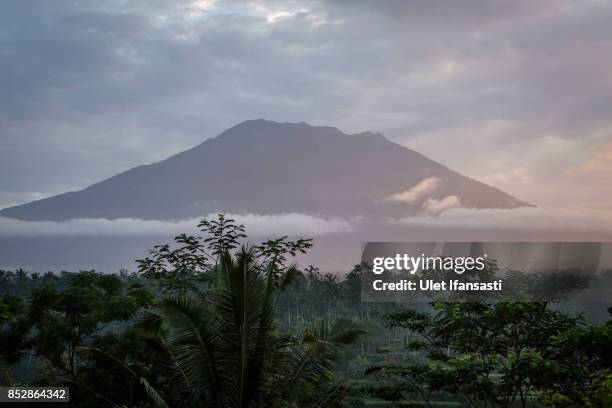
{"x":265,"y":167}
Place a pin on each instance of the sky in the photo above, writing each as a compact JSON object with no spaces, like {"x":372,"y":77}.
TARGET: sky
{"x":517,"y":94}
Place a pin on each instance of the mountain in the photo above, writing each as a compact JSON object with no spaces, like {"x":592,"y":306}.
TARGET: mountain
{"x":265,"y":167}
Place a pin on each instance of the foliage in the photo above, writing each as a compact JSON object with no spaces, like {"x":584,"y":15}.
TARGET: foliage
{"x":214,"y":321}
{"x":193,"y":259}
{"x":505,"y":353}
{"x":226,"y":351}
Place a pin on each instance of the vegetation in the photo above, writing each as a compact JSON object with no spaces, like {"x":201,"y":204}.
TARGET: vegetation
{"x":216,"y":322}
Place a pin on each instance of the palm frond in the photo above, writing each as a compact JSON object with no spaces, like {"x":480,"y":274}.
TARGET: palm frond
{"x":192,"y":338}
{"x":332,"y":397}
{"x":156,"y":399}
{"x":290,"y":275}
{"x":225,"y":349}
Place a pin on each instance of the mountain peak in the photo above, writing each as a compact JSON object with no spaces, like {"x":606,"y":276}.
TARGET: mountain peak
{"x":265,"y":127}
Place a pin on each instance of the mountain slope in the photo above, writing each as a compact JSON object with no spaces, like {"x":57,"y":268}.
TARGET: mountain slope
{"x":265,"y":167}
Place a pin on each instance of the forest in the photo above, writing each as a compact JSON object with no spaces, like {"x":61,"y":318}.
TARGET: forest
{"x":219,"y":321}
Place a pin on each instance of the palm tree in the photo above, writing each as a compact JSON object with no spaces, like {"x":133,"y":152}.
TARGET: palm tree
{"x":226,"y":352}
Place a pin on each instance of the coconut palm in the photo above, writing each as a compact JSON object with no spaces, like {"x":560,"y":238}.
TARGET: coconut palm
{"x":226,"y":352}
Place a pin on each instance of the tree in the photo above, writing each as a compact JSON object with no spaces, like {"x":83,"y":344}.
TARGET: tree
{"x":60,"y":322}
{"x":501,"y":354}
{"x":224,"y":346}
{"x":578,"y":371}
{"x":13,"y":329}
{"x":193,"y":259}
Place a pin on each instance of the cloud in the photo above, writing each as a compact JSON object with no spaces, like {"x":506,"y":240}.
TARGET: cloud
{"x":524,"y":219}
{"x":200,"y":6}
{"x":420,"y":190}
{"x":599,"y":162}
{"x":257,"y":225}
{"x":433,"y":206}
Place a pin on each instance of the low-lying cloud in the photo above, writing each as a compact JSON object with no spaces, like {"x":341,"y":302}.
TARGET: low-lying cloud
{"x":437,"y":213}
{"x":434,"y":207}
{"x":257,"y":225}
{"x":422,"y":189}
{"x":527,"y":218}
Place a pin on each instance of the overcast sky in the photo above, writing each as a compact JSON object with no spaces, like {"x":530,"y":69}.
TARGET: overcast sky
{"x":517,"y":94}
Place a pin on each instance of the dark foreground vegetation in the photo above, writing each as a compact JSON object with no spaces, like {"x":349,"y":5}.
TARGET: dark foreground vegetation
{"x":216,"y":322}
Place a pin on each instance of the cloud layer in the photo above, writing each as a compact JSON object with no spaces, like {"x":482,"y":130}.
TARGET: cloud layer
{"x":443,"y":213}
{"x":524,"y":219}
{"x":257,"y":225}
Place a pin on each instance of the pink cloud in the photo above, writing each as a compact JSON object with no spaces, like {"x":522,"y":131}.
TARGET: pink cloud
{"x":599,"y":162}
